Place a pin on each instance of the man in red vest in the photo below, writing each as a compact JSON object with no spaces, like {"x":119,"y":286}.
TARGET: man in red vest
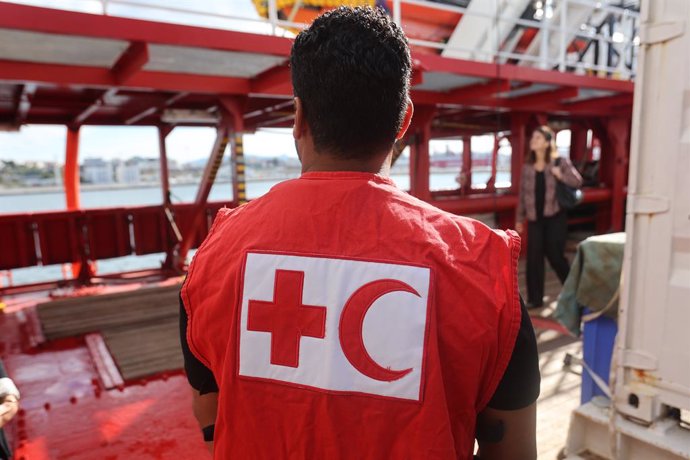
{"x":337,"y":317}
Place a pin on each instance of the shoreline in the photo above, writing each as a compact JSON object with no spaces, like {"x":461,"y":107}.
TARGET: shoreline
{"x":85,"y":188}
{"x":46,"y":190}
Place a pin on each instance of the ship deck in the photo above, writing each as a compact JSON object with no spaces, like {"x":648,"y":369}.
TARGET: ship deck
{"x":73,"y":404}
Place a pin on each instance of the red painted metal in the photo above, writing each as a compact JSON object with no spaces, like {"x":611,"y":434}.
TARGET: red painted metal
{"x":201,"y":199}
{"x":59,"y":235}
{"x":150,"y":230}
{"x":130,"y":62}
{"x":84,"y":236}
{"x":466,"y":172}
{"x":67,"y":414}
{"x":619,"y":138}
{"x":578,"y":143}
{"x":273,"y":81}
{"x":163,"y":132}
{"x":546,"y":99}
{"x":519,"y":73}
{"x":619,"y":100}
{"x":478,"y":91}
{"x":94,"y":107}
{"x":491,"y":183}
{"x":80,"y":267}
{"x":107,"y":233}
{"x":419,"y":152}
{"x":17,"y":236}
{"x":490,"y":202}
{"x":37,"y":19}
{"x":71,"y":175}
{"x":518,"y":143}
{"x":101,"y":77}
{"x":476,"y":203}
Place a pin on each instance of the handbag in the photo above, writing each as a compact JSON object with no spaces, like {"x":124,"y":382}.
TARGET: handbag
{"x":568,"y":197}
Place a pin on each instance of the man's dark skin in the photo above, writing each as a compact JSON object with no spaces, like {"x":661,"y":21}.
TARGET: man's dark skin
{"x":510,"y":435}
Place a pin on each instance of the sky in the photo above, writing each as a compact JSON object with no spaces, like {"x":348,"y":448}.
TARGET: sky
{"x":47,"y":143}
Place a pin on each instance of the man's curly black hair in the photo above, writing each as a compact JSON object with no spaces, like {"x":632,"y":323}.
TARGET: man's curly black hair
{"x":351,"y":70}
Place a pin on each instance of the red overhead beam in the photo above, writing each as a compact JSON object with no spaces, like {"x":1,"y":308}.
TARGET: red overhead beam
{"x":144,"y":112}
{"x":48,"y":20}
{"x":132,"y":60}
{"x":599,"y":102}
{"x":543,"y":99}
{"x":478,"y":91}
{"x":93,"y":108}
{"x":101,"y":77}
{"x":512,"y":72}
{"x":273,"y":81}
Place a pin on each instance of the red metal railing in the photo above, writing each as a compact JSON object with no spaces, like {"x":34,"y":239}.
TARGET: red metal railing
{"x":85,"y":236}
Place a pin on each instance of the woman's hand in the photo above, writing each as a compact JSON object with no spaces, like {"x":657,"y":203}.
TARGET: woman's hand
{"x":8,"y":409}
{"x":519,"y":227}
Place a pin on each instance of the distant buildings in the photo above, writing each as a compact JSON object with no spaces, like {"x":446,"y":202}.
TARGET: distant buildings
{"x":139,"y":171}
{"x":97,"y":171}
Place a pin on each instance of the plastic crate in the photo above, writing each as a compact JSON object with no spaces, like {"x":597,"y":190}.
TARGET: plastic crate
{"x":598,"y":337}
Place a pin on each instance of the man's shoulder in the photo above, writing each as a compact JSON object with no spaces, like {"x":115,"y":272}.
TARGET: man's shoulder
{"x":249,"y":207}
{"x":467,"y":228}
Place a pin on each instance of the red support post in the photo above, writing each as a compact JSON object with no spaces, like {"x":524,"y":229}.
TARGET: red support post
{"x":235,"y":106}
{"x":491,"y":183}
{"x":419,"y":158}
{"x":619,"y":142}
{"x":71,"y":175}
{"x":232,"y":110}
{"x":466,"y":172}
{"x":174,"y":237}
{"x":81,"y":269}
{"x":209,"y":177}
{"x":518,"y":144}
{"x":578,"y":143}
{"x":163,"y":132}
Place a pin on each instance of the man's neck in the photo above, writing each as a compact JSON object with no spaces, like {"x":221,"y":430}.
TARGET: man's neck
{"x":329,"y":163}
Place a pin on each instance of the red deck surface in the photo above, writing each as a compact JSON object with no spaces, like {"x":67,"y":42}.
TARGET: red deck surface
{"x":66,"y":413}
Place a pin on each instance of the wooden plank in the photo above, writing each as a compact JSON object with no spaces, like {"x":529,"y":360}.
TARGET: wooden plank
{"x":105,"y":365}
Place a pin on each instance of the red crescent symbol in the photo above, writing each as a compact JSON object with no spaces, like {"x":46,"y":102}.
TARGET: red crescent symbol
{"x":352,"y":321}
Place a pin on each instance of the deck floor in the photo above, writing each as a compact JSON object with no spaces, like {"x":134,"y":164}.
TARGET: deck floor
{"x":68,"y":415}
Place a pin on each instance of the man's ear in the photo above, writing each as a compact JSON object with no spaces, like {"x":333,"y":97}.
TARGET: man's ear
{"x":300,"y":125}
{"x":406,"y":122}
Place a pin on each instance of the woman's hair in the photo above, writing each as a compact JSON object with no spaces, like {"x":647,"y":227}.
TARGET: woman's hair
{"x":551,"y":150}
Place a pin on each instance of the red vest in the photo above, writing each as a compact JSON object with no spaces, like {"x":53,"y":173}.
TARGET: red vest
{"x":343,"y":318}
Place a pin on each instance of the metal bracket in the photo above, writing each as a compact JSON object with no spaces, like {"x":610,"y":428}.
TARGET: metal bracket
{"x":648,"y":204}
{"x":651,"y":34}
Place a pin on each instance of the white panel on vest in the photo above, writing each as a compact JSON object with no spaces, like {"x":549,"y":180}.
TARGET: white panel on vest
{"x":337,"y":325}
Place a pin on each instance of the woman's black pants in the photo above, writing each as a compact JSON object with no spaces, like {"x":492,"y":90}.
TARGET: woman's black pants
{"x":545,"y":237}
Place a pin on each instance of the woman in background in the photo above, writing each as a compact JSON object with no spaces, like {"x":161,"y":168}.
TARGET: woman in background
{"x":9,"y":405}
{"x":546,"y":221}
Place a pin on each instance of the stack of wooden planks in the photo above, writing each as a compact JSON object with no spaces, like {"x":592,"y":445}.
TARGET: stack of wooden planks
{"x":140,"y":327}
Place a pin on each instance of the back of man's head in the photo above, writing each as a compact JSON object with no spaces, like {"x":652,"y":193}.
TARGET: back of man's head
{"x":351,"y":70}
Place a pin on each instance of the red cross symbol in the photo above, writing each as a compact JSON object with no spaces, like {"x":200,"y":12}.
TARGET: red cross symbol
{"x":286,"y":318}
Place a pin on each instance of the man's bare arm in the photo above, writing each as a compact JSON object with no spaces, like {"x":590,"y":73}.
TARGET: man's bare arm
{"x":205,"y":409}
{"x":507,"y":434}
